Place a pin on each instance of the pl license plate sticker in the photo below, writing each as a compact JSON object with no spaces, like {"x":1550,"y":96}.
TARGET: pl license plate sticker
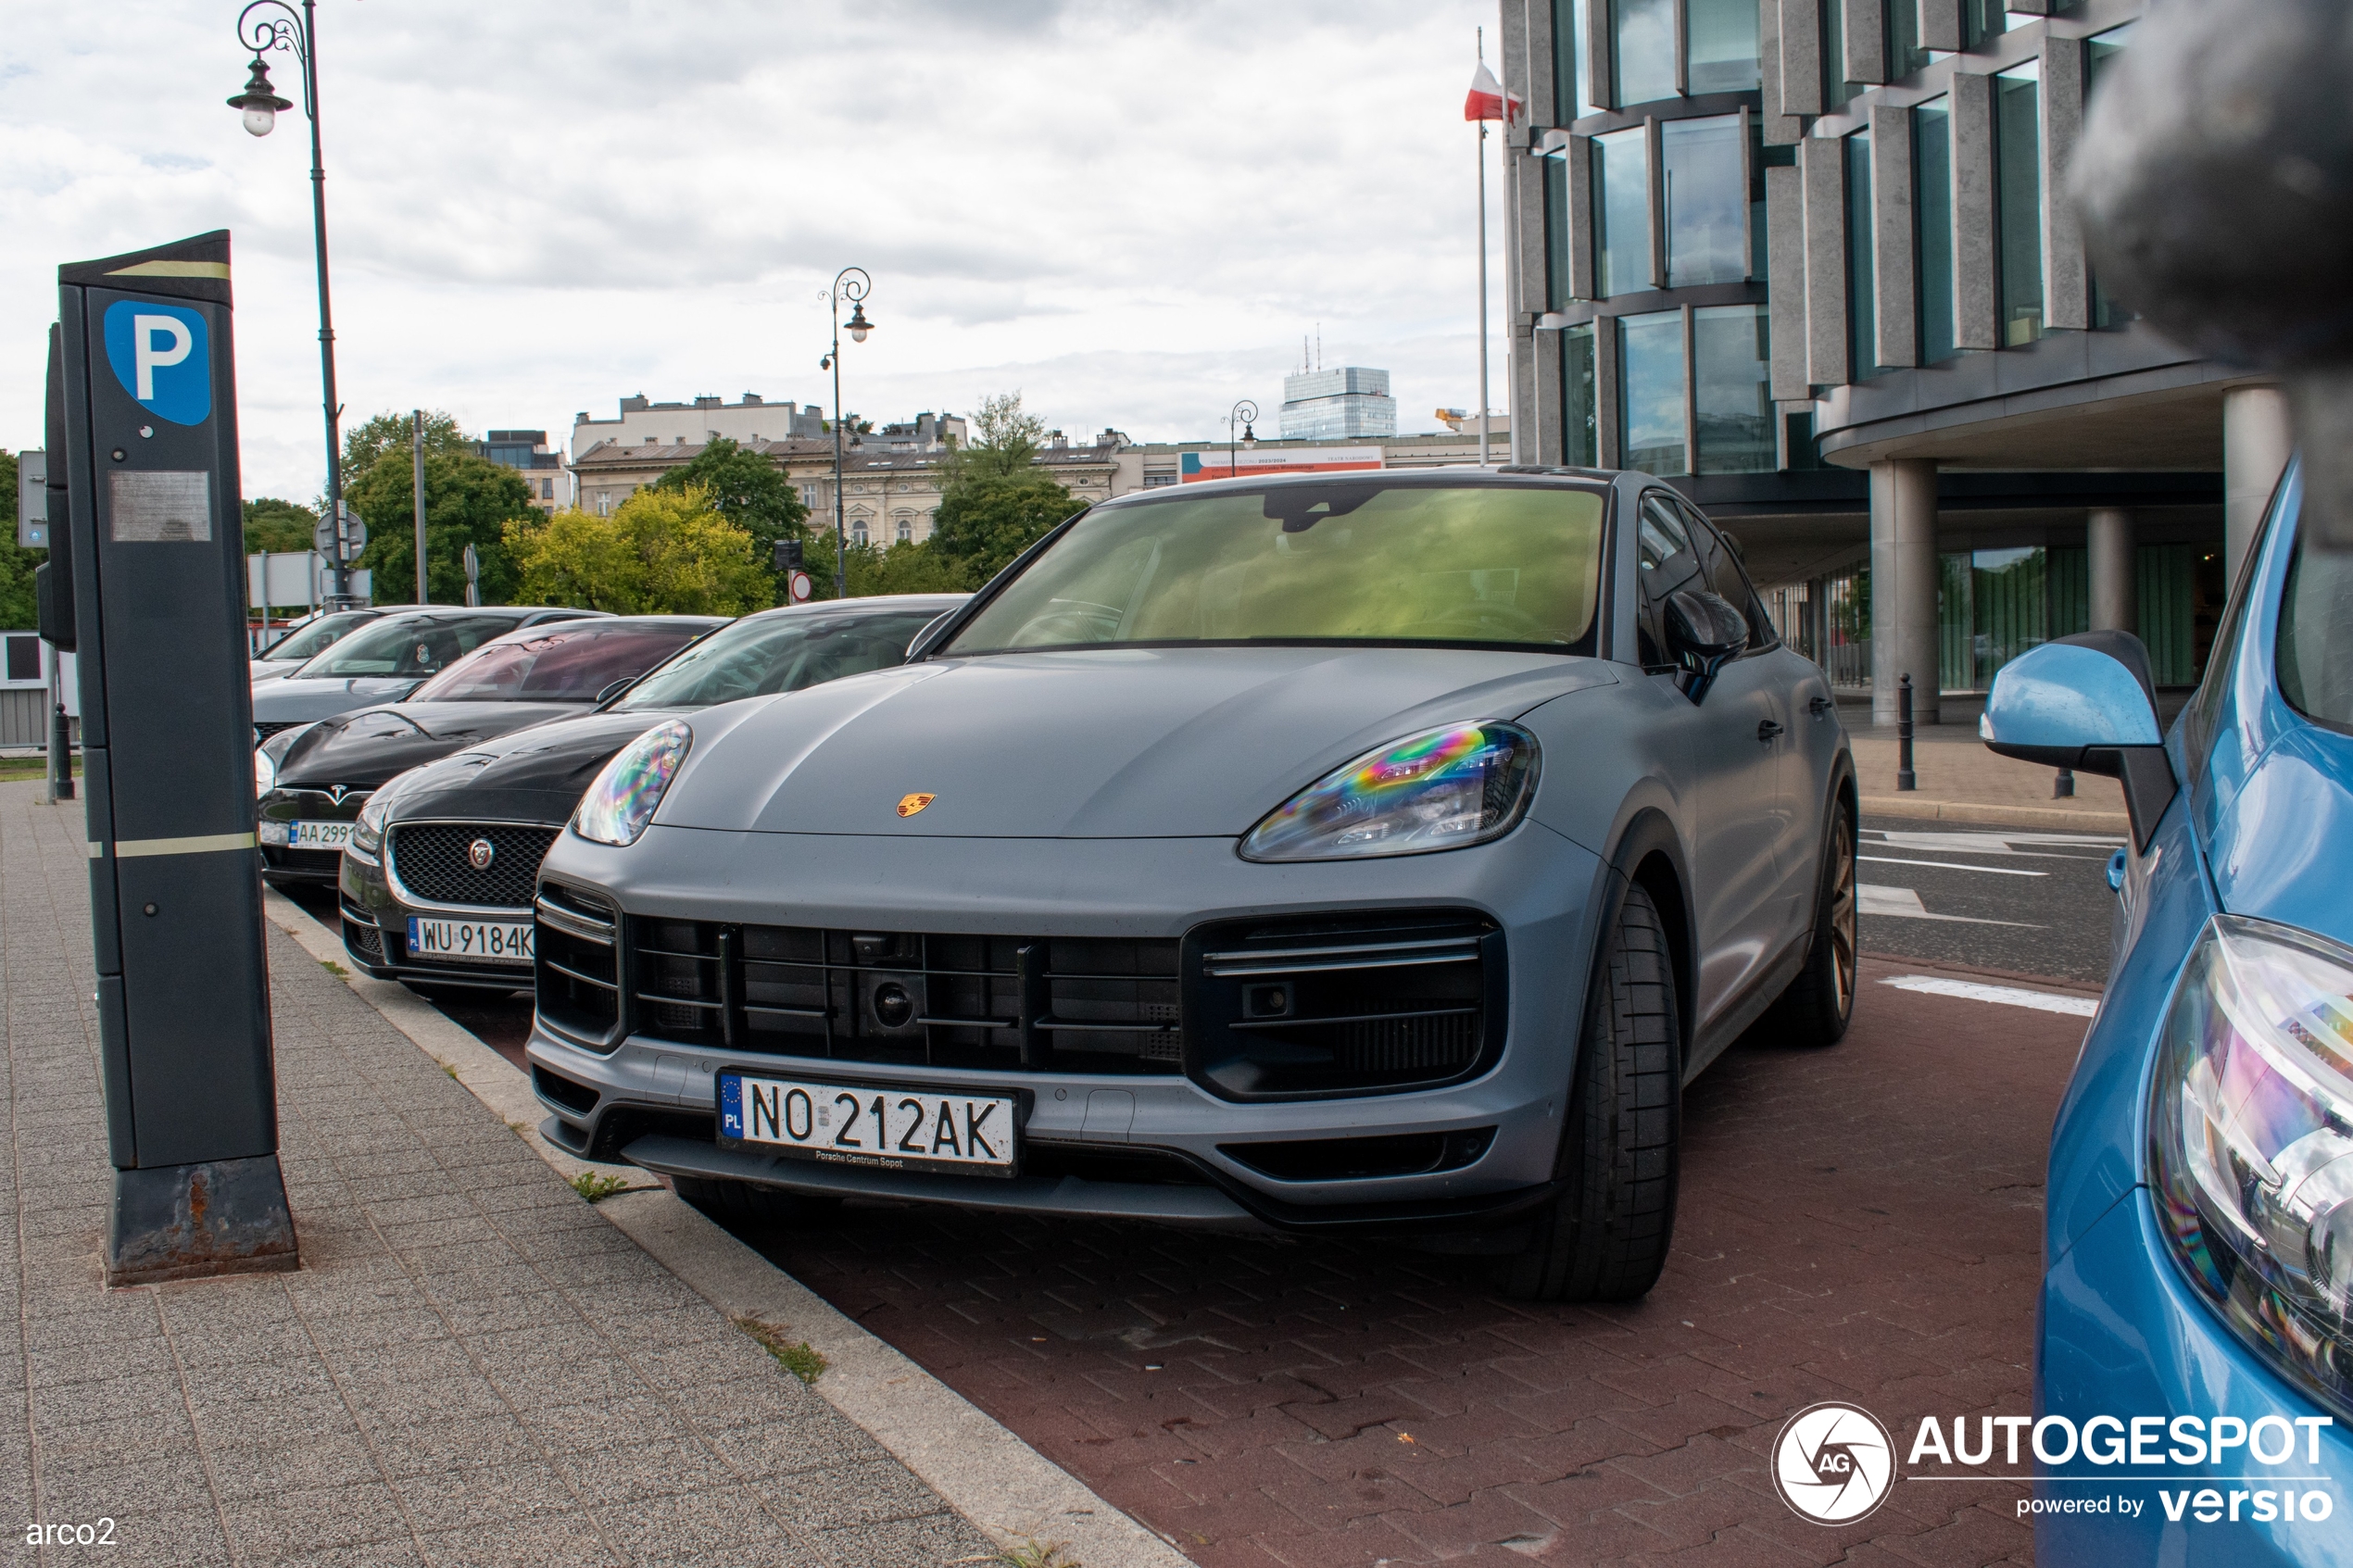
{"x":897,"y":1129}
{"x":469,"y":941}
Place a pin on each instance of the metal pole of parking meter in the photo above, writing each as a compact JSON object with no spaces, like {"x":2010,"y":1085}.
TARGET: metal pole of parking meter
{"x":417,"y":477}
{"x":147,"y":389}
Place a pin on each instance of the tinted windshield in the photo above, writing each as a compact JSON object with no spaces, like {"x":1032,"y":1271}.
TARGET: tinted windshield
{"x":1349,"y":563}
{"x":779,"y":653}
{"x":2315,"y":636}
{"x":407,"y":646}
{"x":300,"y":646}
{"x":571,"y":662}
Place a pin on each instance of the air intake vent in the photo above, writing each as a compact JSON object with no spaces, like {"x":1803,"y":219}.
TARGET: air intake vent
{"x":1297,"y":1009}
{"x":578,"y":969}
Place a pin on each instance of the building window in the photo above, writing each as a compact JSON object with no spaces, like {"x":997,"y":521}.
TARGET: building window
{"x":1932,"y":212}
{"x":906,"y":529}
{"x":1905,"y":55}
{"x":1732,"y":394}
{"x":604,"y":503}
{"x":1651,"y":387}
{"x":809,"y":496}
{"x":1622,"y":212}
{"x":857,"y":532}
{"x":546,"y":490}
{"x":1580,"y":435}
{"x":1982,"y":20}
{"x":2100,"y":54}
{"x":1572,"y":72}
{"x":1836,"y":89}
{"x":1862,"y":279}
{"x":1720,"y":45}
{"x":1706,"y":201}
{"x":1154,"y":480}
{"x":2017,"y":150}
{"x":1645,"y":55}
{"x":1557,"y":231}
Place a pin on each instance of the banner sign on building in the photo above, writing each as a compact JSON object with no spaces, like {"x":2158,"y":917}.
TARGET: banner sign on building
{"x":1263,"y":462}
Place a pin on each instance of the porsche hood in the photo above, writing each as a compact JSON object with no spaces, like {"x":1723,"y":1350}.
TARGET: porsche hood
{"x":1151,"y":743}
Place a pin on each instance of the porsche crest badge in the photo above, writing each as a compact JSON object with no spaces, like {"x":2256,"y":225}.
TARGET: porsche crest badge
{"x":911,"y":804}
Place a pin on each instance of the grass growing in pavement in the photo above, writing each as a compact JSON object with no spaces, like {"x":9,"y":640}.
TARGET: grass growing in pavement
{"x":1028,"y":1553}
{"x":796,"y":1357}
{"x":596,"y":1187}
{"x":334,"y":969}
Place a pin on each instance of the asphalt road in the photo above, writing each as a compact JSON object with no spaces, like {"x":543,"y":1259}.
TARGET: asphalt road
{"x":1998,"y":899}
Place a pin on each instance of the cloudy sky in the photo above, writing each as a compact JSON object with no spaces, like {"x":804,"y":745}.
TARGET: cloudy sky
{"x":1131,"y":210}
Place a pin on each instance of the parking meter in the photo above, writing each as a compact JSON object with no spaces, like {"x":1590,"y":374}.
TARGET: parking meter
{"x":149,"y":399}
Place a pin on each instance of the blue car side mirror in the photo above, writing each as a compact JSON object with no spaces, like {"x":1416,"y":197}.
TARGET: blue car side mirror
{"x":2087,"y":702}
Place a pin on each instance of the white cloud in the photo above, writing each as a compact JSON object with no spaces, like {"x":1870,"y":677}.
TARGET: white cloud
{"x":1131,"y":210}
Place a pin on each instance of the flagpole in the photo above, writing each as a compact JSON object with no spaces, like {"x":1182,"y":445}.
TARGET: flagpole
{"x":1482,"y":267}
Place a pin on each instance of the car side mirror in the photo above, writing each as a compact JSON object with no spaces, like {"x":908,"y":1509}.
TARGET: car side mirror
{"x":615,"y":689}
{"x":1703,"y":633}
{"x":2087,"y":702}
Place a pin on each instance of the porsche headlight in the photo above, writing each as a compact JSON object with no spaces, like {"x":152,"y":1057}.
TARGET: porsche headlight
{"x":622,"y":801}
{"x":1441,"y":789}
{"x":367,"y":839}
{"x":2251,"y":1143}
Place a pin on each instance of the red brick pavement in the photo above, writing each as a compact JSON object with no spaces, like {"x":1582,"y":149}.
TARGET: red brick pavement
{"x":1861,"y":1223}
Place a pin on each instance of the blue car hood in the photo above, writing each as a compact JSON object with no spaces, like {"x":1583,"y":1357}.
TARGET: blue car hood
{"x":1086,"y":744}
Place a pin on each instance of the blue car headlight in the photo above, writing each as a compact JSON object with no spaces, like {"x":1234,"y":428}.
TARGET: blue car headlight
{"x":2251,"y":1144}
{"x":1441,"y":789}
{"x":622,"y":801}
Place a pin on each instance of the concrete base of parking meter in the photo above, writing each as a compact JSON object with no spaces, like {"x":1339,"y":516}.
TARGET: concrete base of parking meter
{"x":188,"y":1221}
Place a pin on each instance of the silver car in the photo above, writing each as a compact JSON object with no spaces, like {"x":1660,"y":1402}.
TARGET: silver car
{"x":385,"y":661}
{"x":1372,"y":851}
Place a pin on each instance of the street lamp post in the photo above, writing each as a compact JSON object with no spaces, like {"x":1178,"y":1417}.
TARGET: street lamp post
{"x":850,"y":284}
{"x":1243,"y":413}
{"x":298,"y":35}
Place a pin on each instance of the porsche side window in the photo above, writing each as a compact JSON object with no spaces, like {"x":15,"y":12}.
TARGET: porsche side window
{"x":1728,"y":577}
{"x":1660,"y":535}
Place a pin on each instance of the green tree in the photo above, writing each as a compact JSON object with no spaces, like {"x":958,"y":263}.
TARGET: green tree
{"x":1004,"y":443}
{"x":902,"y":568}
{"x":660,"y":552}
{"x":18,"y":610}
{"x":368,"y":443}
{"x":983,"y":523}
{"x":272,"y":525}
{"x":749,"y":492}
{"x":469,"y":500}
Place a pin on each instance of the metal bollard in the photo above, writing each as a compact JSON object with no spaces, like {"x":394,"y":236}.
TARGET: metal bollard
{"x":60,"y":754}
{"x":2063,"y":787}
{"x":1904,"y":778}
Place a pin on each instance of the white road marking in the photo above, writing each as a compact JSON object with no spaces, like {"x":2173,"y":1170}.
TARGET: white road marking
{"x":1950,"y":866}
{"x":1995,"y":842}
{"x":1905,"y":904}
{"x":2008,"y":996}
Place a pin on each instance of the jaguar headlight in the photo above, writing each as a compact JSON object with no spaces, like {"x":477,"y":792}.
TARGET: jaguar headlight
{"x":1441,"y":789}
{"x":367,"y":839}
{"x":2251,"y":1144}
{"x":622,"y":801}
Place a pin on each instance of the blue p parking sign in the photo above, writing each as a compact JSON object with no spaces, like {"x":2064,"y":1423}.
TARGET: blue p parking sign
{"x":162,"y":357}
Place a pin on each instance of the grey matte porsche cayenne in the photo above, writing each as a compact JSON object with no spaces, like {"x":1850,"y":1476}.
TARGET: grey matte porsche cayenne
{"x":1380,"y":851}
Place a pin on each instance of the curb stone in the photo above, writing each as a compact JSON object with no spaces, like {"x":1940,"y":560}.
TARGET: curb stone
{"x":2053,"y":817}
{"x":982,"y":1469}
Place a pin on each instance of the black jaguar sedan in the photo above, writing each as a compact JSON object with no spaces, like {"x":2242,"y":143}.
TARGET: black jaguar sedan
{"x":314,"y":779}
{"x":440,"y":869}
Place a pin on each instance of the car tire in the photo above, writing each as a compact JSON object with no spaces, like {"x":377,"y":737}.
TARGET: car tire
{"x":1605,"y":1237}
{"x":1819,"y":1002}
{"x":744,"y":1203}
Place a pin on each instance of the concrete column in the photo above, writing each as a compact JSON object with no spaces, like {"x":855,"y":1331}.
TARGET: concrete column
{"x":2115,"y":576}
{"x":1821,"y":167}
{"x":1904,"y":578}
{"x":1894,"y":255}
{"x":1785,"y":272}
{"x":2257,"y":439}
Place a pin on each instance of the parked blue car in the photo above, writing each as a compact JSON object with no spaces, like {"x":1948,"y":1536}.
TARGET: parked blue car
{"x":2199,"y":1231}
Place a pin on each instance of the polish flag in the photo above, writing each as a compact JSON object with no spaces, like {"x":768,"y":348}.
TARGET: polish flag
{"x":1488,"y":100}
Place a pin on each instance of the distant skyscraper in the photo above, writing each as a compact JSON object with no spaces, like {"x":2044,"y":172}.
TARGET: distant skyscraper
{"x":1347,"y":402}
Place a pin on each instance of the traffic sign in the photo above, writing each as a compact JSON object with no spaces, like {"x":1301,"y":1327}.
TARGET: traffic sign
{"x":799,"y":587}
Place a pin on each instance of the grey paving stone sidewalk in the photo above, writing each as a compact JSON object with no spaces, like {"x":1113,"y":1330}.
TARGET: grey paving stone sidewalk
{"x":471,"y":1367}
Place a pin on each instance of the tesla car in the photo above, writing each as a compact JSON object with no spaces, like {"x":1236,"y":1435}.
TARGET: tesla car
{"x":437,"y":876}
{"x":2198,"y":1241}
{"x":385,"y":661}
{"x":1337,"y":851}
{"x":307,"y":638}
{"x":314,"y":781}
